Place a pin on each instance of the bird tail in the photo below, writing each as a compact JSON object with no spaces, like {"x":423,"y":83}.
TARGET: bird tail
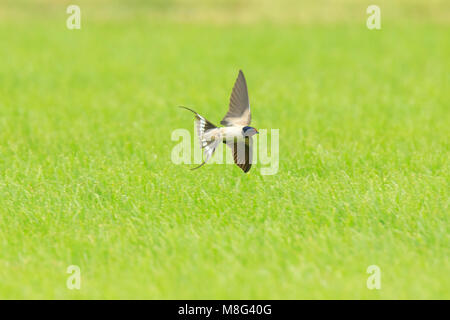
{"x":203,"y":126}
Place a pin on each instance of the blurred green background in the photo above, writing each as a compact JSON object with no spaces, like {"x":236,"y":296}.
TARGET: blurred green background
{"x":85,"y":140}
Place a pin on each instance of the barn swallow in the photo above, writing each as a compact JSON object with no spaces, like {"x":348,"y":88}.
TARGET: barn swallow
{"x":236,"y":133}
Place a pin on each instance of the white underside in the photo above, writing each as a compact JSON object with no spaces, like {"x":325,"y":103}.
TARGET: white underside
{"x":224,"y":133}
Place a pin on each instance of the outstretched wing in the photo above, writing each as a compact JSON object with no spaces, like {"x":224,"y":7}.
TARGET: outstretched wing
{"x":239,"y":111}
{"x":242,"y":153}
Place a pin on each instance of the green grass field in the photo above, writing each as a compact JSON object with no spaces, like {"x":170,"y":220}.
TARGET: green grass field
{"x":86,"y":177}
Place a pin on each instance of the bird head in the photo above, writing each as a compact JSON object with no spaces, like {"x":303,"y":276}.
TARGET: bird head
{"x":249,"y":131}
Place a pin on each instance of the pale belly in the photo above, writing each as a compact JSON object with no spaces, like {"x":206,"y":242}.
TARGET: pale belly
{"x":224,"y":133}
{"x":231,"y":133}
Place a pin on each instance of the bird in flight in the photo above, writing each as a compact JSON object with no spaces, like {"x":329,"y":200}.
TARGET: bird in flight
{"x":236,"y":133}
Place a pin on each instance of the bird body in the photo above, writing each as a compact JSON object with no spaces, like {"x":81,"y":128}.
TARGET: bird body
{"x":230,"y":133}
{"x":236,"y":133}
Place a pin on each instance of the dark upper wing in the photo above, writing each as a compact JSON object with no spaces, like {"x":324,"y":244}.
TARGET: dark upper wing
{"x":242,"y":153}
{"x":239,"y":110}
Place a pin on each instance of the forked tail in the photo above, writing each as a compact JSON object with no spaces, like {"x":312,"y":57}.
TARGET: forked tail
{"x":203,"y":125}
